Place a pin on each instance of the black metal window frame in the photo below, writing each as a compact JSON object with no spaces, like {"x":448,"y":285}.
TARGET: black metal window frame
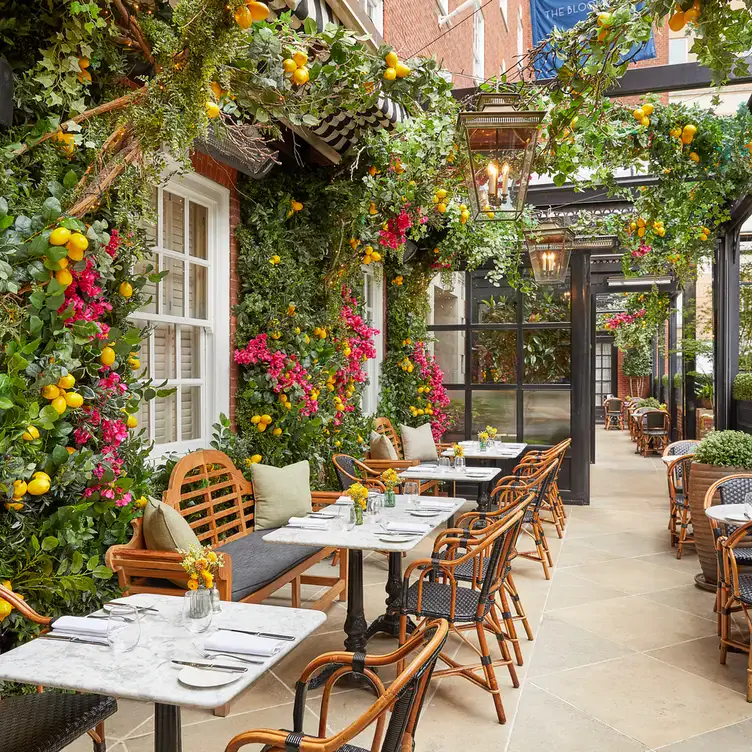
{"x":520,"y":327}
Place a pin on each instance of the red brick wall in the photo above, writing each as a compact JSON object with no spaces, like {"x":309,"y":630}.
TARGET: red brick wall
{"x":228,"y":177}
{"x":623,"y":390}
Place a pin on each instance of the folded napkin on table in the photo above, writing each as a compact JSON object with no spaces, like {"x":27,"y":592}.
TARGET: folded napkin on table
{"x":407,"y":527}
{"x":343,"y":501}
{"x":235,"y":642}
{"x":308,"y":522}
{"x":80,"y":626}
{"x":436,"y":504}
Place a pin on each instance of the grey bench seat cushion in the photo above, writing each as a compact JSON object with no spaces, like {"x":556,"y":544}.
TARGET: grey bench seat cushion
{"x":256,"y":563}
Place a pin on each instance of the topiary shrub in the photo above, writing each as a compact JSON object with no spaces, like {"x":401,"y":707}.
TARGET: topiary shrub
{"x":649,"y":402}
{"x":726,"y":449}
{"x":743,"y":386}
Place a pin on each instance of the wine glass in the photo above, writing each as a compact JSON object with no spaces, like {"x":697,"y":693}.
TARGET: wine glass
{"x":347,"y":517}
{"x":411,"y":489}
{"x":123,"y":627}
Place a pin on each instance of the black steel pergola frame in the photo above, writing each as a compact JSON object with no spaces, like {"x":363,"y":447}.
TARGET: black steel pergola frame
{"x":726,"y":283}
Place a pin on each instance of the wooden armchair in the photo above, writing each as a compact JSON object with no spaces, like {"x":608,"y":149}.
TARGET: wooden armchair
{"x":217,"y":501}
{"x":404,"y":698}
{"x":50,"y":722}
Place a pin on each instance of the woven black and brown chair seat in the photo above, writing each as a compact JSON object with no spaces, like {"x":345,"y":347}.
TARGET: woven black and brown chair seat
{"x":50,"y":721}
{"x":437,"y":599}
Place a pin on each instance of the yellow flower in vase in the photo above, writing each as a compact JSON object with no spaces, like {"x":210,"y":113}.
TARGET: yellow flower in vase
{"x":192,"y":584}
{"x":458,"y":451}
{"x":359,"y":495}
{"x":491,"y":431}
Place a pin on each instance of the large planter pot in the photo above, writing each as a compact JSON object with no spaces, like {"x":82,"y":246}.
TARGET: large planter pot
{"x":701,"y":477}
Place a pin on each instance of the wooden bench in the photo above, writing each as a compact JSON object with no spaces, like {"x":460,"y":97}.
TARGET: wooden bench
{"x":217,"y":501}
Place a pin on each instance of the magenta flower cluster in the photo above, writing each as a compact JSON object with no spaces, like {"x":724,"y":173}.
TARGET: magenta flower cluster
{"x":434,"y":376}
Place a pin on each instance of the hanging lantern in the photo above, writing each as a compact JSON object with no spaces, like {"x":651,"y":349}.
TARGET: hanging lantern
{"x":549,"y":246}
{"x":501,"y":144}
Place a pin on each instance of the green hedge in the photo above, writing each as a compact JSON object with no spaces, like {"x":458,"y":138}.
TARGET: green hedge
{"x":726,"y":449}
{"x":743,"y":386}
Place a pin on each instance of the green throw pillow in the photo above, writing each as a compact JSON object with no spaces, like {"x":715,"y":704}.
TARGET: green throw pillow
{"x":382,"y":448}
{"x":165,"y":529}
{"x":418,"y":443}
{"x":280,"y":493}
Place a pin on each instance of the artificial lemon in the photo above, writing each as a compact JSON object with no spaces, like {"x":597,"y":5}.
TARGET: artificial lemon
{"x":266,"y":419}
{"x":243,"y":17}
{"x":74,"y":254}
{"x":134,"y":363}
{"x":59,"y":405}
{"x":63,"y":263}
{"x":677,"y":21}
{"x":300,"y":58}
{"x":691,"y":15}
{"x":38,"y":486}
{"x":694,"y":156}
{"x":126,"y":289}
{"x":638,"y":114}
{"x":212,"y":109}
{"x":60,"y":236}
{"x":376,"y":256}
{"x":19,"y":489}
{"x":391,"y":60}
{"x":73,"y":399}
{"x":67,"y":381}
{"x":402,"y":70}
{"x":648,"y":109}
{"x":5,"y":607}
{"x":688,"y":133}
{"x":259,"y":11}
{"x":107,"y":356}
{"x":297,"y":206}
{"x":645,"y":122}
{"x":256,"y":419}
{"x":40,"y":474}
{"x":441,"y":207}
{"x":261,"y":427}
{"x":83,"y":62}
{"x":604,"y":20}
{"x":301,"y":76}
{"x":31,"y":433}
{"x":464,"y":216}
{"x":217,"y":90}
{"x":50,"y":391}
{"x":70,"y":450}
{"x":390,"y":74}
{"x":256,"y":458}
{"x":289,"y":65}
{"x":64,"y":277}
{"x":441,"y":193}
{"x":277,"y":431}
{"x":131,"y":422}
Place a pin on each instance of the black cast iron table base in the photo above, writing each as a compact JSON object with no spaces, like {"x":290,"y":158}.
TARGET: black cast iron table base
{"x":167,"y":731}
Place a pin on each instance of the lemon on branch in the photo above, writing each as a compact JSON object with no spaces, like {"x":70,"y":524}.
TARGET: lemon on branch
{"x":60,"y":236}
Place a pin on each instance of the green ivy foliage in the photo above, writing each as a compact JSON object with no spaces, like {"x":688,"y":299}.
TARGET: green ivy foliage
{"x":742,"y":386}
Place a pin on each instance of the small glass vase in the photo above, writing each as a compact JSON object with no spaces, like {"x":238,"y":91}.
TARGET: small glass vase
{"x":358,"y":514}
{"x":483,"y":444}
{"x":390,"y":498}
{"x":200,"y":603}
{"x":216,"y":602}
{"x":459,"y":463}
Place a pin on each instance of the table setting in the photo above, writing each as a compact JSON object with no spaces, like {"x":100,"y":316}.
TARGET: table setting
{"x":147,"y":648}
{"x":390,"y":529}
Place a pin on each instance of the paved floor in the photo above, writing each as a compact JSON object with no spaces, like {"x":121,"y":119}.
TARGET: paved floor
{"x":624,"y":660}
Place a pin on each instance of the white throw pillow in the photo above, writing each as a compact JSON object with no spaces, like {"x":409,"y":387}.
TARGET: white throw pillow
{"x":418,"y":443}
{"x":382,"y":448}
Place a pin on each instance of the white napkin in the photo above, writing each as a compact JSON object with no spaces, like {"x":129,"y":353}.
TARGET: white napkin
{"x":80,"y":626}
{"x":308,"y":522}
{"x":407,"y":527}
{"x":343,"y":501}
{"x":476,"y":473}
{"x":235,"y":642}
{"x":435,"y":504}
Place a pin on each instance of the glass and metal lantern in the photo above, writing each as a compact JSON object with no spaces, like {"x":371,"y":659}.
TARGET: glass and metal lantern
{"x":549,"y":246}
{"x":501,"y":144}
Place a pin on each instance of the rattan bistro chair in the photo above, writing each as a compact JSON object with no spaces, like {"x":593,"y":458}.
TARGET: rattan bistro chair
{"x":732,"y":489}
{"x":349,"y":471}
{"x":635,"y":422}
{"x":737,"y":595}
{"x":613,"y":408}
{"x":655,"y":428}
{"x":50,"y":721}
{"x":404,"y":697}
{"x":680,"y":518}
{"x":435,"y":593}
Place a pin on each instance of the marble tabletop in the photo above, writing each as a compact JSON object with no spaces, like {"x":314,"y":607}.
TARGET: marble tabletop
{"x":366,"y":537}
{"x":496,"y":450}
{"x":465,"y":475}
{"x":738,"y":514}
{"x":145,"y":673}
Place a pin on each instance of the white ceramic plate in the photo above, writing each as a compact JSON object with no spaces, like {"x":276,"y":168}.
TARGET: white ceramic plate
{"x":205,"y":679}
{"x":324,"y":515}
{"x":424,"y":513}
{"x":396,"y":538}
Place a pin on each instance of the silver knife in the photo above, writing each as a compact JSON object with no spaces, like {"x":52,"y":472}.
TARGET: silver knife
{"x":213,"y":666}
{"x":269,"y":635}
{"x":70,"y":638}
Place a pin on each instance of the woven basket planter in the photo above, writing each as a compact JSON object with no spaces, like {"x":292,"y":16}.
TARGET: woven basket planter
{"x":701,"y":477}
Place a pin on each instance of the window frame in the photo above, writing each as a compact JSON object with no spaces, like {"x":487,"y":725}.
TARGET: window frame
{"x":479,"y":45}
{"x":370,"y":397}
{"x":378,"y":20}
{"x":215,"y":330}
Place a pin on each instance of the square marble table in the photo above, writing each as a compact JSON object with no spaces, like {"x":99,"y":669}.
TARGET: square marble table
{"x":480,"y":475}
{"x":366,"y":537}
{"x":496,"y":450}
{"x":145,"y":673}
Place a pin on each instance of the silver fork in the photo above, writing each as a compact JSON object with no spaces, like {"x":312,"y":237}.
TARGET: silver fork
{"x":213,"y":654}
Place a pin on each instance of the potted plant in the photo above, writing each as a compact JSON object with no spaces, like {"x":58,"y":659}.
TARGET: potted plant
{"x":742,"y":392}
{"x":719,"y":454}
